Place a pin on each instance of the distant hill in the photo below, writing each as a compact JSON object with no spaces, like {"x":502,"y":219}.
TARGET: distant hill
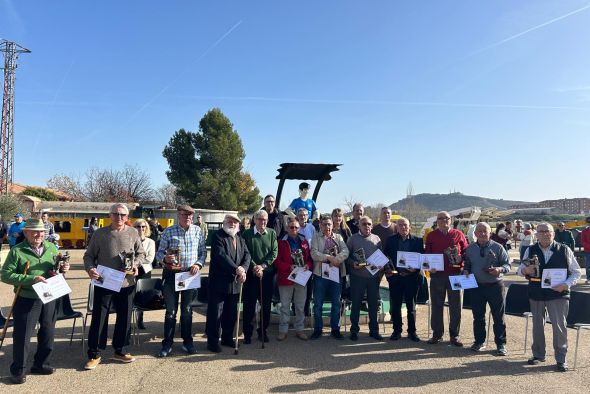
{"x":451,"y":201}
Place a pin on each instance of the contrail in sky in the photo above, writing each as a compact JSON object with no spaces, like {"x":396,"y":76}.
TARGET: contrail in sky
{"x":515,"y":36}
{"x":179,"y":75}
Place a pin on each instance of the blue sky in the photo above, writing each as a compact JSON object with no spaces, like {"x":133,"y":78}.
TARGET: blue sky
{"x":488,"y":98}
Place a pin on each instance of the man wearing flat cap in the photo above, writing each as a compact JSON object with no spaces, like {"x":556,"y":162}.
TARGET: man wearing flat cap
{"x":28,"y":308}
{"x":182,"y":248}
{"x":230,"y":260}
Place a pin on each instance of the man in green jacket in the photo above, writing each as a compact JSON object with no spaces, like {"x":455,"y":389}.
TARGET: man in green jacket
{"x":263,"y":247}
{"x":28,"y":308}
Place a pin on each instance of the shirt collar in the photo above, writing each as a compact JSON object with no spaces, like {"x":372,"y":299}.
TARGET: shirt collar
{"x":258,"y":232}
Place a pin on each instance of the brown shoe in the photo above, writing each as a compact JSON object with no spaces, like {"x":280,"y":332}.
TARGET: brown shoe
{"x":92,"y":363}
{"x":282,"y":336}
{"x":301,"y":335}
{"x":124,"y":358}
{"x":434,"y":340}
{"x":456,"y":342}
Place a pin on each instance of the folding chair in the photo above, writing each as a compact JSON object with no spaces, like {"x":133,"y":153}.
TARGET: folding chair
{"x":64,"y":311}
{"x":517,"y":304}
{"x":578,"y":317}
{"x":145,"y":288}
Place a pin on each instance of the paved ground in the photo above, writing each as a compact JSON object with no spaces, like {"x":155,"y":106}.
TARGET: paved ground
{"x":295,"y":365}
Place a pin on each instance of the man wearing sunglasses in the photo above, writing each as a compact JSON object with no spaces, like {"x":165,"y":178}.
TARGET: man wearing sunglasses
{"x":105,"y":248}
{"x":449,"y":242}
{"x":488,"y":261}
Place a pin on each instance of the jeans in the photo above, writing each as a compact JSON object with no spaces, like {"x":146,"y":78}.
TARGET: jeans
{"x":320,"y":287}
{"x":171,"y":298}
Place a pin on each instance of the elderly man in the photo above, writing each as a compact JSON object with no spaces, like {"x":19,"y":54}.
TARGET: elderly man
{"x":362,"y":245}
{"x":553,"y":301}
{"x":385,"y":228}
{"x":106,"y":248}
{"x":449,"y":242}
{"x":28,"y":308}
{"x":49,"y":228}
{"x":404,"y":285}
{"x":327,"y":247}
{"x":182,"y":248}
{"x":276,"y":219}
{"x":488,"y":262}
{"x":16,"y":229}
{"x":306,"y":229}
{"x":230,"y":260}
{"x":262,"y":245}
{"x":358,"y":210}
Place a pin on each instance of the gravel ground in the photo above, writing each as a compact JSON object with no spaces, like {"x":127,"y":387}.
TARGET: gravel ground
{"x":295,"y":365}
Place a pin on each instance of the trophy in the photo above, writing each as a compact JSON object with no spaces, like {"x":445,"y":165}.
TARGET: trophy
{"x":332,"y":251}
{"x":359,"y":256}
{"x":128,"y":259}
{"x":533,"y":261}
{"x":389,"y":268}
{"x":297,"y":258}
{"x":491,"y":260}
{"x":453,"y":255}
{"x":174,"y":266}
{"x":59,"y":262}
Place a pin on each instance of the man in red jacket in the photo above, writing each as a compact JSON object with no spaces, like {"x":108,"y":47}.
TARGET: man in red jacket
{"x":443,"y":240}
{"x":293,"y":252}
{"x":585,"y":241}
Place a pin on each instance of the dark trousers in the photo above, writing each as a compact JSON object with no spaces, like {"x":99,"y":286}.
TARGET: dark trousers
{"x":104,"y":300}
{"x":493,"y":295}
{"x":439,"y":288}
{"x":221,"y":314}
{"x":404,"y":289}
{"x":358,"y":286}
{"x":171,"y":297}
{"x":251,"y":293}
{"x":26,"y":313}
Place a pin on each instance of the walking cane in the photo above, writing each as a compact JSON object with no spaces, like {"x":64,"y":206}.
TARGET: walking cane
{"x":18,"y":289}
{"x":262,"y":331}
{"x":238,"y":319}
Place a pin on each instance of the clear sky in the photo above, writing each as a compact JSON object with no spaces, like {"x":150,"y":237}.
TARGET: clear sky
{"x":488,"y":98}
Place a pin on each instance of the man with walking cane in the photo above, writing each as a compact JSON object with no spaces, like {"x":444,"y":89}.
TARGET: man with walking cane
{"x":32,"y":261}
{"x":262,"y":244}
{"x":230,"y":260}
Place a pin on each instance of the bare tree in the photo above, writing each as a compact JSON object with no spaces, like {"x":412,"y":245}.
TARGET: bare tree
{"x":131,"y":184}
{"x":167,"y":196}
{"x":349,"y":202}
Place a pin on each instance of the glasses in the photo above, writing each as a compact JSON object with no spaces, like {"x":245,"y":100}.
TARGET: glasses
{"x":121,"y":215}
{"x":293,"y":227}
{"x":366,"y":224}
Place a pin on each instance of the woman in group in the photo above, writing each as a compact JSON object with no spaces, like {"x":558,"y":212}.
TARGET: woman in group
{"x":340,"y":226}
{"x":145,"y":270}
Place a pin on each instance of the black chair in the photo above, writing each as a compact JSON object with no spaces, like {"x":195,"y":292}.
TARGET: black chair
{"x":3,"y":320}
{"x":146,"y":288}
{"x":517,"y":304}
{"x":579,"y":316}
{"x":64,"y":311}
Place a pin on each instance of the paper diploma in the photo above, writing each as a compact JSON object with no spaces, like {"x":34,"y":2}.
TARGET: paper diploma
{"x":110,"y":279}
{"x":299,"y":276}
{"x":462,"y":282}
{"x":186,"y":281}
{"x":553,"y":277}
{"x":376,"y":261}
{"x":408,"y":260}
{"x":331,"y":273}
{"x":54,"y":288}
{"x":430,"y":261}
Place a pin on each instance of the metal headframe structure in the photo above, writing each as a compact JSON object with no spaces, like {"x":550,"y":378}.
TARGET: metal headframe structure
{"x":11,"y":51}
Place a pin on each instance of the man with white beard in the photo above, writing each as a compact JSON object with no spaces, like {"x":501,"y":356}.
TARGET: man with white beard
{"x":230,"y":259}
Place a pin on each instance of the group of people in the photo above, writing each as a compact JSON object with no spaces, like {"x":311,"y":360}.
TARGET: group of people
{"x":244,"y":264}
